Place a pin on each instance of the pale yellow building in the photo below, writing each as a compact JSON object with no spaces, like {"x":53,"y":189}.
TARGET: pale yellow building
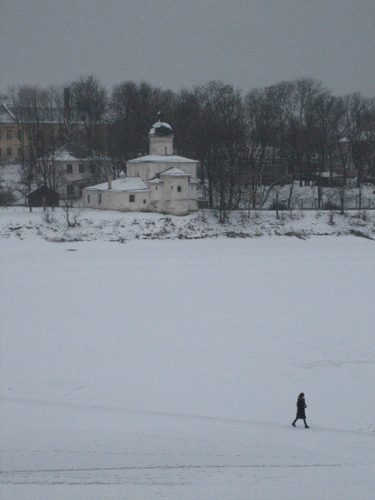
{"x":10,"y":136}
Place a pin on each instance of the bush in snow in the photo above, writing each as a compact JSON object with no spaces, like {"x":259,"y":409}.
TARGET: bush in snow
{"x":6,"y":197}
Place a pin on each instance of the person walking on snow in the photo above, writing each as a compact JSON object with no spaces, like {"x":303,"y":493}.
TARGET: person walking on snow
{"x":301,"y":405}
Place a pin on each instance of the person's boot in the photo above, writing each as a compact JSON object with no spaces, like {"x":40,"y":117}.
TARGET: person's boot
{"x":306,"y":426}
{"x":294,"y":423}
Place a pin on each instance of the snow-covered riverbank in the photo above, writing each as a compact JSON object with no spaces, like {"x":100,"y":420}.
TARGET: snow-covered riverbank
{"x":88,"y":225}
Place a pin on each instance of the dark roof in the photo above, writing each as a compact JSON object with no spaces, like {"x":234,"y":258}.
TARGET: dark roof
{"x":42,"y":188}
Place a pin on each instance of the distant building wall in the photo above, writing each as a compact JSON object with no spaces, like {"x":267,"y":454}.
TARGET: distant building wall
{"x":10,"y":142}
{"x":74,"y":176}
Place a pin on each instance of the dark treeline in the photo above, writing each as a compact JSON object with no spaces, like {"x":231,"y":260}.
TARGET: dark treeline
{"x":247,"y":145}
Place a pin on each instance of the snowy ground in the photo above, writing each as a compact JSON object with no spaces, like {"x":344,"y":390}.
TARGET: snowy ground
{"x":90,"y":225}
{"x":170,"y":368}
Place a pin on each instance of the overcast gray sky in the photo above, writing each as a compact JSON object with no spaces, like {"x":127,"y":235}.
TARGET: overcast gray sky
{"x":182,"y":43}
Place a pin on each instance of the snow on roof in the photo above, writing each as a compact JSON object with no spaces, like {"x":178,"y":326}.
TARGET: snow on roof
{"x":161,"y":128}
{"x":155,"y":180}
{"x":35,"y":189}
{"x":6,"y":116}
{"x":122,"y":184}
{"x":64,"y":155}
{"x":162,"y":159}
{"x":174,"y":171}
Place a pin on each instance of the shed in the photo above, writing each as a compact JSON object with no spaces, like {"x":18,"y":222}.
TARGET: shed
{"x":43,"y":196}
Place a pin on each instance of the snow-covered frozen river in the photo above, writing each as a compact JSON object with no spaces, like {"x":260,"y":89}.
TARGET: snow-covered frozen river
{"x":170,"y":369}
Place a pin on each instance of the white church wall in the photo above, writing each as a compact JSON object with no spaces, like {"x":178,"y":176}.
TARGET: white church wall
{"x":189,"y":167}
{"x":174,"y":207}
{"x":120,"y":200}
{"x":156,"y":192}
{"x":145,"y":170}
{"x":148,"y":169}
{"x":161,"y":145}
{"x":176,"y":195}
{"x":193,"y":197}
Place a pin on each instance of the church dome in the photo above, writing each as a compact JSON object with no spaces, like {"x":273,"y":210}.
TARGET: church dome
{"x":161,"y":129}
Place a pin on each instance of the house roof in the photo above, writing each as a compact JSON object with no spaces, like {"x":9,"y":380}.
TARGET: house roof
{"x":65,"y":155}
{"x":46,"y":115}
{"x":121,"y":184}
{"x":155,"y":180}
{"x":6,"y":116}
{"x":162,"y":159}
{"x":42,"y":187}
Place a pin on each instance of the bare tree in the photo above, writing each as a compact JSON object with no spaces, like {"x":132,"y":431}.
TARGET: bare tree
{"x":343,"y":194}
{"x":134,"y":108}
{"x":360,"y":135}
{"x":289,"y":138}
{"x":40,"y":121}
{"x":72,"y":214}
{"x":222,"y":145}
{"x":89,"y":104}
{"x":260,"y":134}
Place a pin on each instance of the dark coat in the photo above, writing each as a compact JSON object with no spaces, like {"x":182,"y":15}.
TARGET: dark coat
{"x":301,"y":405}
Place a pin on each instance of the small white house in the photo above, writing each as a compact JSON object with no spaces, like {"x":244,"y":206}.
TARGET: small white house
{"x":72,"y":174}
{"x":159,"y":182}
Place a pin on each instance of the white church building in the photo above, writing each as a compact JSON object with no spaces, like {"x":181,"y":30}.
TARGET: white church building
{"x":159,"y":182}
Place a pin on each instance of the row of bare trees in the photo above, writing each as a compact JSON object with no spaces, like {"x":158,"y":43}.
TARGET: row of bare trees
{"x":50,"y":118}
{"x":292,"y":131}
{"x":246,"y":144}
